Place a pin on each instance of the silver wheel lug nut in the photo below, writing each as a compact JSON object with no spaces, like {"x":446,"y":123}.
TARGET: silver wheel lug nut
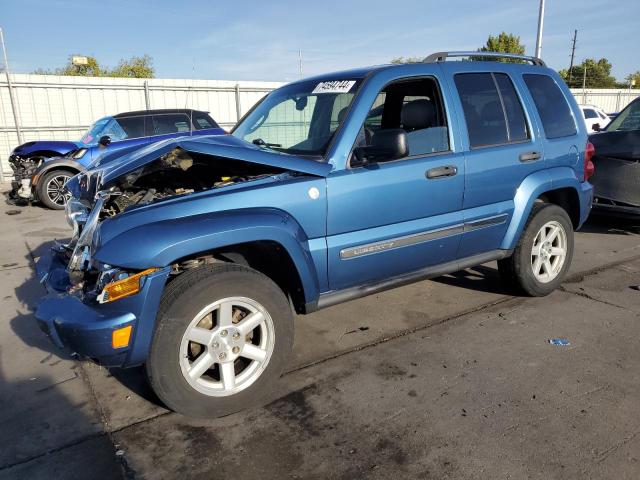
{"x":223,"y":333}
{"x":236,"y":349}
{"x":236,"y":335}
{"x":222,"y":356}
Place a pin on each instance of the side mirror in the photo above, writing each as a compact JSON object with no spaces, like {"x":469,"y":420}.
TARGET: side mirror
{"x":596,"y":127}
{"x":105,"y":140}
{"x":386,"y":145}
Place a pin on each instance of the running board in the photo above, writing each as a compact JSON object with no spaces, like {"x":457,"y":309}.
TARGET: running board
{"x":339,"y":296}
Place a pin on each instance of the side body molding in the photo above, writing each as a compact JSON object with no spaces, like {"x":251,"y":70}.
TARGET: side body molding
{"x":529,"y":190}
{"x":161,"y":243}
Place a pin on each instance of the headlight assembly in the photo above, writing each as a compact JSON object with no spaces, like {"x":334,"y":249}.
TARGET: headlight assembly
{"x":79,"y":153}
{"x":119,"y":284}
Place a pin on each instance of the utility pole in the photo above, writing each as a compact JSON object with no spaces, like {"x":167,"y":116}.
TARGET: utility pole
{"x":9,"y":84}
{"x":573,"y":52}
{"x":584,"y":83}
{"x":540,"y":25}
{"x":300,"y":62}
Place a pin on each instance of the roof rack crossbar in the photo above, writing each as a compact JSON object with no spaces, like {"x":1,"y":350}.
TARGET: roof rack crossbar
{"x":442,"y":56}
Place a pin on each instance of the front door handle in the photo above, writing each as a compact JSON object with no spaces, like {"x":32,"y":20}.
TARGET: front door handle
{"x":530,"y":156}
{"x":439,"y":172}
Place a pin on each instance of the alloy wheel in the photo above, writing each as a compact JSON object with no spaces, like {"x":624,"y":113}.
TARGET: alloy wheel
{"x":549,"y":251}
{"x":55,"y":189}
{"x":227,"y":346}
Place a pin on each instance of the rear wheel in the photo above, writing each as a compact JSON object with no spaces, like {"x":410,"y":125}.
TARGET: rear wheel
{"x":51,"y":190}
{"x":223,"y":336}
{"x":543,"y":255}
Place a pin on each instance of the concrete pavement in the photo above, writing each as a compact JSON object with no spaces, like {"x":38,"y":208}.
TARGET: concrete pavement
{"x":445,"y":378}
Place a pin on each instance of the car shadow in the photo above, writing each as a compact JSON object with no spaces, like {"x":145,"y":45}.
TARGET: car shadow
{"x":482,"y":278}
{"x":25,"y":326}
{"x":611,"y":225}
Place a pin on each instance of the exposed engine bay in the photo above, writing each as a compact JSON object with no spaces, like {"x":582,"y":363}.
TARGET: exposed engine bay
{"x":179,"y":172}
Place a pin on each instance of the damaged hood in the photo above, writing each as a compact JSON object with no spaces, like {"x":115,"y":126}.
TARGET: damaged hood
{"x":226,"y":146}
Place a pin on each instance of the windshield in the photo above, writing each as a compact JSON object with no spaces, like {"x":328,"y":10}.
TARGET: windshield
{"x":628,"y":119}
{"x":105,"y":126}
{"x":94,"y":132}
{"x":300,"y":118}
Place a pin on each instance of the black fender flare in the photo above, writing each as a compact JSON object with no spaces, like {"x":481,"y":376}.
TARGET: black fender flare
{"x":57,"y":164}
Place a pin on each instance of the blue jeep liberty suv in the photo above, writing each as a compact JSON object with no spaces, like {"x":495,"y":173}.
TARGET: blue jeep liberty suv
{"x":190,"y":255}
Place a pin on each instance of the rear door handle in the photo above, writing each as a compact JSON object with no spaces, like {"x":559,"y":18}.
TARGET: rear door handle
{"x":530,"y":156}
{"x":439,"y":172}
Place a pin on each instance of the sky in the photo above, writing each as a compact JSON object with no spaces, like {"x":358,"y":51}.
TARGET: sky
{"x":253,"y":40}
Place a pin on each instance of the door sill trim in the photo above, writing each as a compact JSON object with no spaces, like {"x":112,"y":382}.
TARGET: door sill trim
{"x":335,"y":297}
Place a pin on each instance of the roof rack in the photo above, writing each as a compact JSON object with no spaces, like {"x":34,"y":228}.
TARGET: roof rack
{"x":442,"y":56}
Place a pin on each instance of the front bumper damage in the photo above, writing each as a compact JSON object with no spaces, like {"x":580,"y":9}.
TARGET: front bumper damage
{"x":23,"y":171}
{"x":84,"y":327}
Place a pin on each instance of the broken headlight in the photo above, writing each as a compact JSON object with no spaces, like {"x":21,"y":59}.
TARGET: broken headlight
{"x":81,"y":253}
{"x":77,"y":214}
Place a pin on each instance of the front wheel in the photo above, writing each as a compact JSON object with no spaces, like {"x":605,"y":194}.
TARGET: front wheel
{"x":223,"y":336}
{"x":543,"y":255}
{"x":51,"y":190}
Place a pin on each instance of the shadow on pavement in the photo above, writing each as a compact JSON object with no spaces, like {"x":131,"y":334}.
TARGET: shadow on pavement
{"x":26,"y":328}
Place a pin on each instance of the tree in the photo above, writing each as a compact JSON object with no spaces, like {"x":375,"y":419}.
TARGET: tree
{"x":632,"y":76}
{"x":595,"y":73}
{"x":398,"y":60}
{"x":135,"y":67}
{"x":503,"y":43}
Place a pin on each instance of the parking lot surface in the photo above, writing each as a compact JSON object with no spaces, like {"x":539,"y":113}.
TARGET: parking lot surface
{"x":450,"y":378}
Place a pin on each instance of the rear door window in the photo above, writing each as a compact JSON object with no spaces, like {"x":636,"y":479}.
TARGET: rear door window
{"x":492,"y":109}
{"x":168,"y":123}
{"x":552,"y":106}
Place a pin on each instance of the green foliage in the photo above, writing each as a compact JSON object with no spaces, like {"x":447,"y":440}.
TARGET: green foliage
{"x":399,"y":60}
{"x":503,"y":43}
{"x":135,"y":67}
{"x":596,"y":73}
{"x":632,"y":76}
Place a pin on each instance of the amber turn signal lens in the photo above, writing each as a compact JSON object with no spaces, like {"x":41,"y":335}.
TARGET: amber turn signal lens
{"x":120,"y":337}
{"x":125,"y":287}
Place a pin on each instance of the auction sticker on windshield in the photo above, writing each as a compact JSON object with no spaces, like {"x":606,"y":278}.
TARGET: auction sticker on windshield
{"x":335,"y":86}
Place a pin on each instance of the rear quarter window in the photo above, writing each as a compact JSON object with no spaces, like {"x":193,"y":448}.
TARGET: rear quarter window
{"x":552,"y":106}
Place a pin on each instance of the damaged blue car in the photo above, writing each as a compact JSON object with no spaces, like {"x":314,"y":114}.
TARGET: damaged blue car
{"x":192,"y":255}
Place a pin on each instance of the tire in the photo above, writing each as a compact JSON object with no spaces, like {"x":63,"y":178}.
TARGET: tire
{"x":518,"y":271}
{"x":49,"y":189}
{"x":175,"y":359}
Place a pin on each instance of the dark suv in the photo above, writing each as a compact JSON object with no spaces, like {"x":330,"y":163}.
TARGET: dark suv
{"x":41,"y":168}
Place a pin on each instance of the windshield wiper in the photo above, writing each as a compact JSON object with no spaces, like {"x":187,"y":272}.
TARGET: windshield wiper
{"x":261,"y":143}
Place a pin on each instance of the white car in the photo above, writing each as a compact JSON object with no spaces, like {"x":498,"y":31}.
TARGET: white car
{"x":594,"y":116}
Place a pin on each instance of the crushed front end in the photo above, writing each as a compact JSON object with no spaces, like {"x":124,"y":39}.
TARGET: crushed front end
{"x":91,"y":309}
{"x":23,"y":171}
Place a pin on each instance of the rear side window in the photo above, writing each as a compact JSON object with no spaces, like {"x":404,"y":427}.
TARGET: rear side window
{"x":492,"y":109}
{"x":589,"y":113}
{"x":170,"y":123}
{"x":552,"y":106}
{"x":202,"y":121}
